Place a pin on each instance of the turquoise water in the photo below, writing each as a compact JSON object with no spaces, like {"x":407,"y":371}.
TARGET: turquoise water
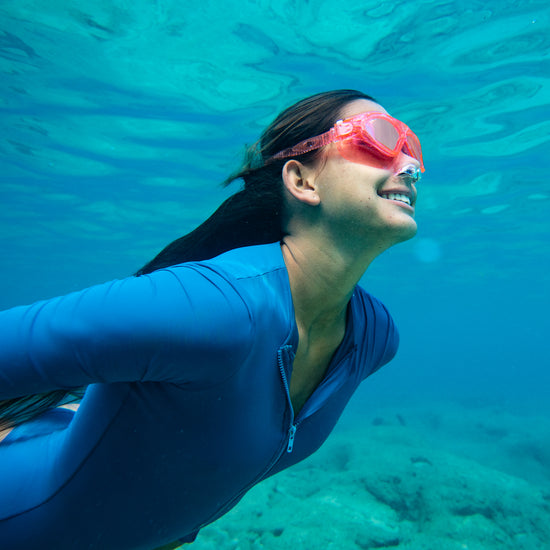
{"x":118,"y":120}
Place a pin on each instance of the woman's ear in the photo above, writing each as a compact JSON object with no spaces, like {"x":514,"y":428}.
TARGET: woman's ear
{"x":300,"y":181}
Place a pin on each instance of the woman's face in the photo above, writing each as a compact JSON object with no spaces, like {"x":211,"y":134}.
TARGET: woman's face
{"x":364,"y":199}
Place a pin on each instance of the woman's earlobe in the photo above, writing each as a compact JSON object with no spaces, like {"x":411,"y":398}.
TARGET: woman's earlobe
{"x":299,"y":181}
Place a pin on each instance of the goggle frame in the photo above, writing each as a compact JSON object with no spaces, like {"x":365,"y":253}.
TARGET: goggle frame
{"x":353,"y":131}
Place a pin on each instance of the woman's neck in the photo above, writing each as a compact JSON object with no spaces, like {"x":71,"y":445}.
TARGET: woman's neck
{"x":322,"y":283}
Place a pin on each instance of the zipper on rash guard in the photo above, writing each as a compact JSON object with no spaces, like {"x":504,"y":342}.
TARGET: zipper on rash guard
{"x":313,"y":403}
{"x":292,"y":433}
{"x":293,"y":425}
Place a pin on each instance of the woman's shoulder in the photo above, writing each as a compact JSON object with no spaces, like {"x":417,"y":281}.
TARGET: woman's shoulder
{"x":374,"y":325}
{"x":375,"y":331}
{"x":238,"y":263}
{"x":250,"y":261}
{"x":368,"y":303}
{"x":256,"y":274}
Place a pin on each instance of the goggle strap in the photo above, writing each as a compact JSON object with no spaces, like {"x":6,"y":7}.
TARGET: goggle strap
{"x":306,"y":146}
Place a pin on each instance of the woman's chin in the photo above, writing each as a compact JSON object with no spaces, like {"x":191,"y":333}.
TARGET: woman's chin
{"x":407,"y":231}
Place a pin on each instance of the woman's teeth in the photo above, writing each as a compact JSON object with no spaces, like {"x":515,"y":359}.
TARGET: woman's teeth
{"x":397,"y":197}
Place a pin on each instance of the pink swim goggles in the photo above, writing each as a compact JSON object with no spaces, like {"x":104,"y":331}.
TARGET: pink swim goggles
{"x":366,"y":138}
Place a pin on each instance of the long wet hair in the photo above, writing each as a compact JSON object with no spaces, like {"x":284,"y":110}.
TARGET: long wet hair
{"x":253,"y":215}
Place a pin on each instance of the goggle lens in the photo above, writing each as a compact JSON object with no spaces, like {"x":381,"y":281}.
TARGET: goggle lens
{"x":387,"y":138}
{"x":415,"y":149}
{"x":383,"y":132}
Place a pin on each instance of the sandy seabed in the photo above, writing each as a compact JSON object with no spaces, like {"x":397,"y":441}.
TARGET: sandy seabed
{"x":443,"y":478}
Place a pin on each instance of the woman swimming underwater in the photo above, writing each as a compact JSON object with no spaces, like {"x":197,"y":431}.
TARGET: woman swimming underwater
{"x":226,"y":359}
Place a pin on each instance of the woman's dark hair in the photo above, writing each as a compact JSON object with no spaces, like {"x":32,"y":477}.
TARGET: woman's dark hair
{"x":253,"y":215}
{"x":21,"y":409}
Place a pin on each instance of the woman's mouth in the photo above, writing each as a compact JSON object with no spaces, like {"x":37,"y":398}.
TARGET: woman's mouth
{"x":401,"y":197}
{"x":404,"y":197}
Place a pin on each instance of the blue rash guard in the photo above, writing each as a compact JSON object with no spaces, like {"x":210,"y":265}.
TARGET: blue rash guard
{"x":187,"y":406}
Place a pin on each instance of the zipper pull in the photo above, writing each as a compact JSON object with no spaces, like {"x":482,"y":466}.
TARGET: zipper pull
{"x":291,"y":434}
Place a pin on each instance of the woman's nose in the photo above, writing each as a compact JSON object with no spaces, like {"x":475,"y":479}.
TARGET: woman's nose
{"x":408,"y":167}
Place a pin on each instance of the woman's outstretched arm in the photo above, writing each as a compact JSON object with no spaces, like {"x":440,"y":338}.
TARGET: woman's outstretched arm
{"x":181,"y":325}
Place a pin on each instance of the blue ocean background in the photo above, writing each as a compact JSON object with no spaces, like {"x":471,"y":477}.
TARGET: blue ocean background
{"x":120,"y":119}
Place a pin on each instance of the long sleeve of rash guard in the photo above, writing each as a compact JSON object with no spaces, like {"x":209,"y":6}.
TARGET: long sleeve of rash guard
{"x":186,"y":325}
